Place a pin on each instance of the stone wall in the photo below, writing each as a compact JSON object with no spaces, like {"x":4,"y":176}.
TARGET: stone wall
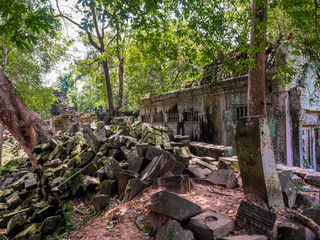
{"x":209,"y":113}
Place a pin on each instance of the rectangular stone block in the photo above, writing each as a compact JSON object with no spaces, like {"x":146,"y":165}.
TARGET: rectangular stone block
{"x":158,"y":166}
{"x":153,"y":152}
{"x":178,"y":184}
{"x":210,"y":225}
{"x":92,"y":140}
{"x":256,"y":160}
{"x":133,"y":188}
{"x":172,"y":205}
{"x":108,"y":187}
{"x":135,"y":164}
{"x":257,"y":219}
{"x":223,"y":177}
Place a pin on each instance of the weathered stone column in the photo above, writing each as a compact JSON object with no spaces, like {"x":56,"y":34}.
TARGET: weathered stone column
{"x":256,"y":160}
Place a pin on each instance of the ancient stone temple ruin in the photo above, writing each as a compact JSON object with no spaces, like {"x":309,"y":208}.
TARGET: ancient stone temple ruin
{"x":209,"y":112}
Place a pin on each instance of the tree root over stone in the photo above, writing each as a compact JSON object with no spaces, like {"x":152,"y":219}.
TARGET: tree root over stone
{"x":308,"y":222}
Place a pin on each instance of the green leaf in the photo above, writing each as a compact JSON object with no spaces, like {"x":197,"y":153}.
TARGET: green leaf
{"x":109,"y":226}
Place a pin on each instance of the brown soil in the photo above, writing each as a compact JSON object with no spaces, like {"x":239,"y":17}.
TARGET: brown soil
{"x":121,"y":218}
{"x":123,"y":215}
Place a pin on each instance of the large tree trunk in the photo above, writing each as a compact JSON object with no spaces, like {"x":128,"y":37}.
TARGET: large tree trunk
{"x":257,"y":73}
{"x":111,"y":109}
{"x":26,"y":126}
{"x":120,"y":75}
{"x":1,"y":142}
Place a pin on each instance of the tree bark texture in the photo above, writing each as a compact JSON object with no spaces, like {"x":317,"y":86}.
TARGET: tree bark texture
{"x":111,"y":110}
{"x":1,"y":142}
{"x":26,"y":126}
{"x":257,"y":73}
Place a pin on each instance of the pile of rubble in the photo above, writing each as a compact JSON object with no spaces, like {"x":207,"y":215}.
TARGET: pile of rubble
{"x":122,"y":161}
{"x":11,"y":148}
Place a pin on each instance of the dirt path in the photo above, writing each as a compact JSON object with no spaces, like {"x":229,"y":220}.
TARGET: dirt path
{"x":123,"y":215}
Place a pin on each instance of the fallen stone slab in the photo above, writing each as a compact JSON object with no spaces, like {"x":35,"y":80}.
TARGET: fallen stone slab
{"x":30,"y":183}
{"x":246,"y":237}
{"x":313,"y":213}
{"x":194,"y":172}
{"x":54,"y":142}
{"x":153,"y":152}
{"x":18,"y":184}
{"x":49,"y":225}
{"x":181,"y":138}
{"x":288,"y":188}
{"x":123,"y":180}
{"x":178,"y":184}
{"x":81,"y":159}
{"x":185,"y":161}
{"x":16,"y":223}
{"x":6,"y":183}
{"x":101,"y":131}
{"x":210,"y":225}
{"x":179,"y":168}
{"x":117,"y":154}
{"x":29,"y":232}
{"x":100,"y":202}
{"x":92,"y":140}
{"x":133,"y":188}
{"x":257,"y":219}
{"x":60,"y":170}
{"x":13,"y":200}
{"x":113,"y":143}
{"x":111,"y":168}
{"x":6,"y":217}
{"x":288,"y":233}
{"x":57,"y":152}
{"x":201,"y":163}
{"x":183,"y":152}
{"x":41,"y":214}
{"x":89,"y":183}
{"x":173,"y":231}
{"x":224,"y":177}
{"x":90,"y":169}
{"x":135,"y":164}
{"x":313,"y":179}
{"x":215,"y":151}
{"x":174,"y":206}
{"x":130,"y":142}
{"x":158,"y":166}
{"x":108,"y":187}
{"x":228,"y":163}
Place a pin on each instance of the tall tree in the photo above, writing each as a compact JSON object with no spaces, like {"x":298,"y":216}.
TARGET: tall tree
{"x":26,"y":126}
{"x":98,"y":19}
{"x":257,"y":72}
{"x":21,"y":22}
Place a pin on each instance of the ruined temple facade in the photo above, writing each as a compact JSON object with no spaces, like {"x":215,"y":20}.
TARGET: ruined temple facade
{"x":209,"y":112}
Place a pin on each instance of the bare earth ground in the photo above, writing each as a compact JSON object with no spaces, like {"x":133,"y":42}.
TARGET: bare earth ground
{"x":122,"y":216}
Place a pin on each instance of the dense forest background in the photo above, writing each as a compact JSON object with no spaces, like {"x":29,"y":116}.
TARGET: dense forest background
{"x":129,"y":48}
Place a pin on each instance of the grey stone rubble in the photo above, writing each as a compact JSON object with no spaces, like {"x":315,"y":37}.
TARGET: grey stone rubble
{"x":119,"y":161}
